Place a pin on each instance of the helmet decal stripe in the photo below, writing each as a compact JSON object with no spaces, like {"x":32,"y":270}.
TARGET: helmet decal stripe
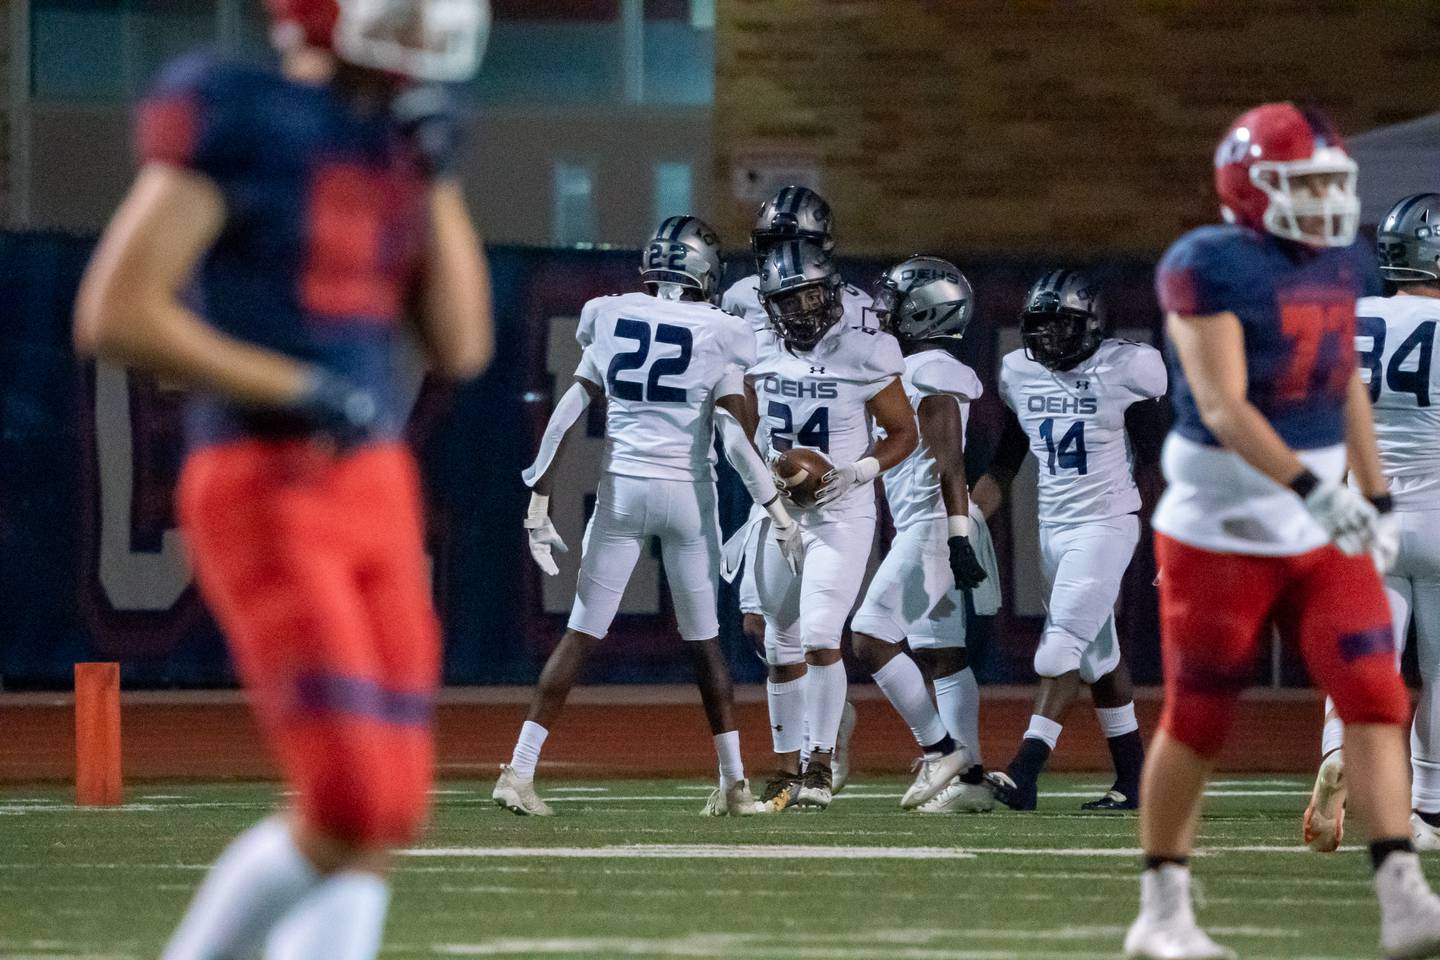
{"x":680,"y":223}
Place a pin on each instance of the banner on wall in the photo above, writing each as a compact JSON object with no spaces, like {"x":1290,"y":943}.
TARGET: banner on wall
{"x":92,"y":566}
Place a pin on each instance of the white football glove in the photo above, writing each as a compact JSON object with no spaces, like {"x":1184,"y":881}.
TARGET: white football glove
{"x":543,"y":535}
{"x":840,"y":480}
{"x":791,"y":544}
{"x":1348,"y":518}
{"x":1385,"y":546}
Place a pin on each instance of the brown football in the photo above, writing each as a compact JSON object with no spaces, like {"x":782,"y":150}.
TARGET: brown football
{"x":798,"y":472}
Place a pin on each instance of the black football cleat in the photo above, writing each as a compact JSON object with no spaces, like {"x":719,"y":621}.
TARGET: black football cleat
{"x":1007,"y":791}
{"x":1113,"y":800}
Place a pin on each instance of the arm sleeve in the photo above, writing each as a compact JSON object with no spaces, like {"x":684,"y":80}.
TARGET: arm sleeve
{"x":742,"y":456}
{"x":1147,"y":422}
{"x":1010,"y":451}
{"x":570,"y":408}
{"x":1190,"y":280}
{"x":1147,"y":375}
{"x":187,"y":119}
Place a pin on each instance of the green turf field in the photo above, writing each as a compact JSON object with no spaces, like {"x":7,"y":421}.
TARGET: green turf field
{"x":629,"y":870}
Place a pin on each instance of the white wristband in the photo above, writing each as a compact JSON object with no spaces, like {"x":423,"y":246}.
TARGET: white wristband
{"x":539,"y":508}
{"x":866,"y":469}
{"x":959,"y":525}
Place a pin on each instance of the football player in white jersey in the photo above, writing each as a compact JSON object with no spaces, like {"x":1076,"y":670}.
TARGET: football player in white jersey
{"x":927,"y":303}
{"x":823,"y":383}
{"x":1395,"y":338}
{"x":669,"y":365}
{"x":793,"y":213}
{"x":1074,"y":392}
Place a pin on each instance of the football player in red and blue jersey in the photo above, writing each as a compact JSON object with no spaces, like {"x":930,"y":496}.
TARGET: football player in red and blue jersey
{"x":1257,"y":526}
{"x":288,"y":232}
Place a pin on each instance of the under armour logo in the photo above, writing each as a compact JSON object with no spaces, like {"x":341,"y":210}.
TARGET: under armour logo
{"x":1082,"y":384}
{"x":814,"y":369}
{"x":779,"y":728}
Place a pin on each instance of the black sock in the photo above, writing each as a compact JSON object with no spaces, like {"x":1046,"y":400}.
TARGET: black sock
{"x":1155,"y":863}
{"x":1029,"y":760}
{"x":974,"y":775}
{"x":943,"y":747}
{"x":1431,"y":818}
{"x":1127,"y":752}
{"x":1380,"y":849}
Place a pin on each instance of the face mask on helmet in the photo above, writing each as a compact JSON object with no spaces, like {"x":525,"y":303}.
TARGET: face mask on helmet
{"x":803,"y":314}
{"x":428,"y":40}
{"x":1407,"y":243}
{"x":924,"y":298}
{"x":1311,"y":201}
{"x":1059,"y":337}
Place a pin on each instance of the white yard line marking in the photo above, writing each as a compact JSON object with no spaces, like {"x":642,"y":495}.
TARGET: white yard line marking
{"x":702,"y":851}
{"x":602,"y":789}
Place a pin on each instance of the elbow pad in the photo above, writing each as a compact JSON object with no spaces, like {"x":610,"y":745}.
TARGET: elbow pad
{"x":742,"y":456}
{"x":567,"y":411}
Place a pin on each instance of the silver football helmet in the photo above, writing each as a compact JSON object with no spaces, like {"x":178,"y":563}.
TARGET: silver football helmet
{"x":1063,"y":321}
{"x":1408,"y":240}
{"x":924,"y":298}
{"x":684,"y":251}
{"x":795,"y":213}
{"x":800,"y":289}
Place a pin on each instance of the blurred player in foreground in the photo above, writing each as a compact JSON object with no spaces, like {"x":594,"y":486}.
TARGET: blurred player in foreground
{"x":317,"y":208}
{"x":669,"y":365}
{"x":1083,"y":403}
{"x":1395,"y":340}
{"x":927,"y":304}
{"x":1257,"y":525}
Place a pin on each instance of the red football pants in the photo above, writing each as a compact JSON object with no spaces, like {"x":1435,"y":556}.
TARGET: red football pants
{"x":1215,"y":613}
{"x":314,"y":566}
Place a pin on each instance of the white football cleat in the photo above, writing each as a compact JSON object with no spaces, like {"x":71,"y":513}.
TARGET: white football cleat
{"x":932,"y":774}
{"x":1409,"y":909}
{"x":1166,"y":929}
{"x":738,"y":801}
{"x":518,"y":796}
{"x":840,"y":759}
{"x":1426,"y":837}
{"x":960,"y":797}
{"x":816,"y":788}
{"x":1324,"y":824}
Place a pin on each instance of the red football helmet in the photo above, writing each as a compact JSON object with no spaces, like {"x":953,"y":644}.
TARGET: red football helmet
{"x":1257,"y":166}
{"x":440,"y":40}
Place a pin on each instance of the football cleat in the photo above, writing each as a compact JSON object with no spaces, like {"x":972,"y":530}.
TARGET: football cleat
{"x":1426,"y":837}
{"x":816,"y":788}
{"x":738,"y":801}
{"x":960,"y":797}
{"x":932,"y":774}
{"x":518,"y":796}
{"x":780,"y":793}
{"x":1409,"y":909}
{"x":840,"y":759}
{"x":1010,"y":793}
{"x":1113,"y":800}
{"x":1324,"y":825}
{"x":1166,"y":928}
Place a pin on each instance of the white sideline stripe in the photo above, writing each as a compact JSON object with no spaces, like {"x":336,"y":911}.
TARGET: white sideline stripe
{"x":702,"y":851}
{"x":605,"y":789}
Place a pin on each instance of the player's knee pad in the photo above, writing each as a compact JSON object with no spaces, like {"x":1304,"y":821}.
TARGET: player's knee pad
{"x":1059,"y":653}
{"x":1200,"y":720}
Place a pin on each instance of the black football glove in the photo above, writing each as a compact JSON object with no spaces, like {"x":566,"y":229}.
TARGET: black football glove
{"x":430,"y":120}
{"x":964,"y":565}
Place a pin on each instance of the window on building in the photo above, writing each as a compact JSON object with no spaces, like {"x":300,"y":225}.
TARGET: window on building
{"x":573,"y":214}
{"x":674,"y":190}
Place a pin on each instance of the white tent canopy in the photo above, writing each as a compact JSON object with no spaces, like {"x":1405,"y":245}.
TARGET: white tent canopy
{"x":1396,"y":161}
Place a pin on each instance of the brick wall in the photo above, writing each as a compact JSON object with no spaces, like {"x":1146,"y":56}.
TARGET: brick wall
{"x":1079,"y":128}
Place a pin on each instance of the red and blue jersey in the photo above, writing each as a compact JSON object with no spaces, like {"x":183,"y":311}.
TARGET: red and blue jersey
{"x":1296,"y":306}
{"x":325,"y":222}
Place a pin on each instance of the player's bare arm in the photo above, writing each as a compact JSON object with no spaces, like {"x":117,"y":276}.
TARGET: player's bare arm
{"x":129,"y":305}
{"x":456,"y":323}
{"x":893,"y":415}
{"x":1010,"y":452}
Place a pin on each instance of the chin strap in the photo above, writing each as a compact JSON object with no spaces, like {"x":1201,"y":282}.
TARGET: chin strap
{"x":567,"y":411}
{"x":747,"y":462}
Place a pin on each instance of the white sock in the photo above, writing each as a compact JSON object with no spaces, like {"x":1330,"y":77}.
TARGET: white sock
{"x":1332,"y":735}
{"x":958,"y":698}
{"x":805,"y":746}
{"x":904,"y":685}
{"x":527,"y":750}
{"x":1116,"y":721}
{"x":1043,"y":728}
{"x":727,"y":748}
{"x":825,"y":690}
{"x":787,"y":714}
{"x":342,"y":920}
{"x":1424,"y":751}
{"x":259,"y":878}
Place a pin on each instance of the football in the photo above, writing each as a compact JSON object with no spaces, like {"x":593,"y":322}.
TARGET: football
{"x":798,"y":472}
